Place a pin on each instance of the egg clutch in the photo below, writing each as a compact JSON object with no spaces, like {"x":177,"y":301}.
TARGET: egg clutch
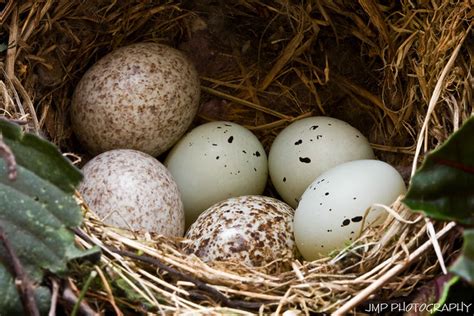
{"x":139,"y":101}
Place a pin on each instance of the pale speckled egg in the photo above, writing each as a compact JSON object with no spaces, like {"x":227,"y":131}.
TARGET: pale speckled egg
{"x":254,"y":230}
{"x":143,"y":96}
{"x":133,"y":190}
{"x":332,"y":209}
{"x":216,"y":161}
{"x":308,"y":147}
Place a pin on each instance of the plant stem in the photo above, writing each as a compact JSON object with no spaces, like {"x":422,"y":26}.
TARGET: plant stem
{"x":83,"y":292}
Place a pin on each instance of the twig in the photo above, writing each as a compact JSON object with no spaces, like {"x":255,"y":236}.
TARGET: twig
{"x":14,"y":92}
{"x":86,"y":286}
{"x":69,"y":296}
{"x":7,"y":155}
{"x":278,"y":122}
{"x":24,"y":285}
{"x":12,"y":44}
{"x":54,"y":298}
{"x":244,"y":102}
{"x":432,"y":235}
{"x":362,"y":295}
{"x":26,"y":98}
{"x":19,"y":122}
{"x":7,"y":9}
{"x":217,"y":295}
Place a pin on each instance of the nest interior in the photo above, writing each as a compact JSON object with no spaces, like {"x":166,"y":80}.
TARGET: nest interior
{"x":400,"y":72}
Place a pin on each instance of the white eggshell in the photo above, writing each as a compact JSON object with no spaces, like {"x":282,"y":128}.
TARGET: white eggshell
{"x":331,"y":210}
{"x":216,"y":161}
{"x":142,"y":96}
{"x":307,"y":148}
{"x":133,"y":190}
{"x":254,"y":230}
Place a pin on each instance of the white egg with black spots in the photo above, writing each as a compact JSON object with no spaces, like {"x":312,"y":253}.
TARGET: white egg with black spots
{"x":132,"y":190}
{"x":216,"y":161}
{"x":255,"y":230}
{"x":332,"y":209}
{"x":307,"y":148}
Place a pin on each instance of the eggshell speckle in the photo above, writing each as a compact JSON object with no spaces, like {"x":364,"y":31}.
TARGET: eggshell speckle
{"x":131,"y":189}
{"x":142,"y":96}
{"x":254,"y":230}
{"x":332,"y":208}
{"x":216,"y":161}
{"x":308,"y":147}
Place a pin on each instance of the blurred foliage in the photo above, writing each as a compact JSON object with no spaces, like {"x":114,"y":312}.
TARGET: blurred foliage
{"x":37,"y":210}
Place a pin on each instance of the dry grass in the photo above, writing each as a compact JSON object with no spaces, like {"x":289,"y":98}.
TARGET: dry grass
{"x":321,"y":285}
{"x":401,"y":73}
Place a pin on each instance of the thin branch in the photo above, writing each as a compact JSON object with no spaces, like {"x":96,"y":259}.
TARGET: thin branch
{"x":217,"y":295}
{"x":70,"y":297}
{"x":12,"y":43}
{"x":54,"y":298}
{"x":24,"y":285}
{"x":19,"y":122}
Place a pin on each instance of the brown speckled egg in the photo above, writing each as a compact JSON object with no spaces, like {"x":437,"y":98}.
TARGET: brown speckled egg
{"x":142,"y":96}
{"x":251,"y":229}
{"x":133,"y":190}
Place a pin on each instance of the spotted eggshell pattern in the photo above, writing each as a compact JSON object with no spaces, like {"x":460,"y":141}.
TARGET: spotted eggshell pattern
{"x":254,"y":230}
{"x":216,"y":161}
{"x":308,"y":147}
{"x":131,"y":189}
{"x":143,"y":96}
{"x":332,"y":209}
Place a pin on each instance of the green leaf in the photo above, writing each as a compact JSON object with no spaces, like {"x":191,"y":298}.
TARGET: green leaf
{"x":443,"y":188}
{"x":458,"y":300}
{"x":32,"y":189}
{"x":464,"y":265}
{"x":37,"y":210}
{"x":446,"y":288}
{"x":41,"y":157}
{"x":10,"y":301}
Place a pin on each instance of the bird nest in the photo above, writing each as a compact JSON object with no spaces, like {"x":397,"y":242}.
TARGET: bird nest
{"x":399,"y":72}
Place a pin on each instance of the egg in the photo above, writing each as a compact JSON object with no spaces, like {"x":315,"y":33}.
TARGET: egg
{"x":332,"y":209}
{"x":254,"y":230}
{"x":308,"y":147}
{"x":216,"y":161}
{"x":133,"y":190}
{"x":143,"y":96}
